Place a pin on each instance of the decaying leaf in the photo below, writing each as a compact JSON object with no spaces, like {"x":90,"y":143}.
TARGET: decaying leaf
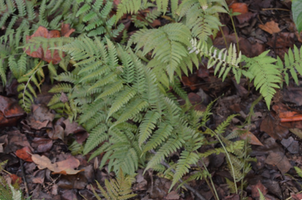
{"x":256,"y":188}
{"x":280,"y":160}
{"x":62,"y":167}
{"x":252,"y":138}
{"x":270,"y":27}
{"x":43,"y":32}
{"x":24,"y":154}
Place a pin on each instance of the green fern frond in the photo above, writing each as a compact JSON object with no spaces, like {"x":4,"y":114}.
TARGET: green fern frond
{"x":292,"y":62}
{"x":266,"y":75}
{"x":97,"y":136}
{"x":223,"y":60}
{"x":168,"y":44}
{"x":221,"y":127}
{"x":170,"y":146}
{"x":147,"y":126}
{"x":119,"y":189}
{"x":159,"y":136}
{"x":202,"y":16}
{"x":184,"y":164}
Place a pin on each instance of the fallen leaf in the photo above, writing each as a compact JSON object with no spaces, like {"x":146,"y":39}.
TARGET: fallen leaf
{"x":297,"y":196}
{"x":172,"y":196}
{"x":255,"y":191}
{"x":239,"y":7}
{"x":15,"y":179}
{"x":43,"y":32}
{"x":271,"y":126}
{"x":10,"y":113}
{"x":190,"y":81}
{"x":42,"y":144}
{"x":280,"y":160}
{"x":270,"y":27}
{"x":24,"y":154}
{"x":252,"y":138}
{"x":62,"y":167}
{"x":245,"y":17}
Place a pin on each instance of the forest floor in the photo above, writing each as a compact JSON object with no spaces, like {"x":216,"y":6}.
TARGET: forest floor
{"x":263,"y":25}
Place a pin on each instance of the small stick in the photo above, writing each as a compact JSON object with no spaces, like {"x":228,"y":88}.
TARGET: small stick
{"x":24,"y":178}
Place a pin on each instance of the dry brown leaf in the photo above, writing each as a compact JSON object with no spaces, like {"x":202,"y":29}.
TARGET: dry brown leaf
{"x":270,"y":27}
{"x":62,"y":167}
{"x":252,"y":138}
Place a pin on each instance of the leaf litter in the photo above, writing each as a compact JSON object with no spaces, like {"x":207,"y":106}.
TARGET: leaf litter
{"x":41,"y":140}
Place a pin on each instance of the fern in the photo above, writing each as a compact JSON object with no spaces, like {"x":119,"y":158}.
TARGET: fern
{"x":265,"y":74}
{"x":168,"y":45}
{"x":223,"y":60}
{"x":202,"y":16}
{"x":119,"y":189}
{"x":293,"y":63}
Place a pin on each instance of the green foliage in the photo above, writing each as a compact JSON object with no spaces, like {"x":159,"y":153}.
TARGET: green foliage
{"x":265,"y":74}
{"x":201,"y":17}
{"x":125,"y":95}
{"x":297,"y":14}
{"x":7,"y":191}
{"x":119,"y":189}
{"x":169,"y":48}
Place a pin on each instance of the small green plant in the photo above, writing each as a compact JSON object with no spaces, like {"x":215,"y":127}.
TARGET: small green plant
{"x":116,"y":189}
{"x":7,"y":191}
{"x":125,"y":95}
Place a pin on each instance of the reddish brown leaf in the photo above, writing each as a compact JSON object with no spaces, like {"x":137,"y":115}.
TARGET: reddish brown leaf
{"x":297,"y":196}
{"x":270,"y":27}
{"x":10,"y":113}
{"x":43,"y":32}
{"x":239,"y":7}
{"x":261,"y":187}
{"x":189,"y":81}
{"x":271,"y":126}
{"x":15,"y":179}
{"x":24,"y":154}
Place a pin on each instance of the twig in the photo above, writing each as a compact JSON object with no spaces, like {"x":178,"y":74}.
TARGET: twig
{"x":24,"y":178}
{"x":180,"y":180}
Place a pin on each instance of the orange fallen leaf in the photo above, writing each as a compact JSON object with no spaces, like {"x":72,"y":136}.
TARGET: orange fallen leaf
{"x":24,"y":154}
{"x":15,"y":179}
{"x":245,"y":134}
{"x":270,"y":27}
{"x":239,"y":7}
{"x":62,"y":167}
{"x":43,"y":32}
{"x":285,"y":113}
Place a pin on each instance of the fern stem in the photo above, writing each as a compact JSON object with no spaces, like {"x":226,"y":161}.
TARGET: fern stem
{"x":180,"y":180}
{"x":236,"y":35}
{"x":224,"y":39}
{"x":213,"y":189}
{"x":229,"y":158}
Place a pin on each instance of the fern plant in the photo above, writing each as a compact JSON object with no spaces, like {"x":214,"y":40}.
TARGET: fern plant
{"x":119,"y":189}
